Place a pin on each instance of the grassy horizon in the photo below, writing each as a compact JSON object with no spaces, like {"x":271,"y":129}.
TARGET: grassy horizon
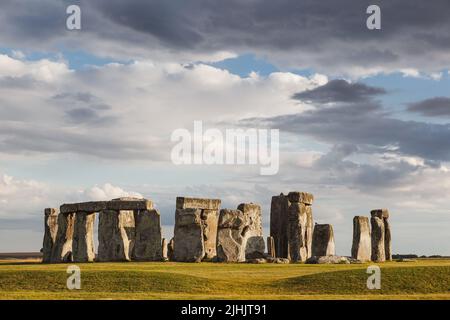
{"x":422,"y":279}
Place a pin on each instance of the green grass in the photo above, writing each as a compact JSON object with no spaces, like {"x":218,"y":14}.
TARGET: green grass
{"x":424,"y":279}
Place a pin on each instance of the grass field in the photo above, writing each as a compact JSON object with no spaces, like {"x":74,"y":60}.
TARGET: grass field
{"x":422,"y":279}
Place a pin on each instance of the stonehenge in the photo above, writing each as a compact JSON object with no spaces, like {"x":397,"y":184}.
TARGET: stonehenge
{"x":129,"y":229}
{"x":323,"y":240}
{"x":361,"y":246}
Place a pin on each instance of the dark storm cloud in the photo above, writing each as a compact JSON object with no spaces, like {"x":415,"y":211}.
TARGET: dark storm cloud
{"x":365,"y":125}
{"x":324,"y":35}
{"x":339,"y":91}
{"x":433,"y":107}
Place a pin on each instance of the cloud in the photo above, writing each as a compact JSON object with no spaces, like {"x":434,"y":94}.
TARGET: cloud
{"x":433,"y":107}
{"x":364,"y":124}
{"x":327,"y":36}
{"x":339,"y":91}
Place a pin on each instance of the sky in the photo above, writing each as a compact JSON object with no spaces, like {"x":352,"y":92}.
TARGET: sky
{"x":363,"y":114}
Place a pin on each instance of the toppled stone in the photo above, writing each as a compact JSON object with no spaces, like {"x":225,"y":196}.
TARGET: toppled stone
{"x":277,"y":260}
{"x":361,"y":246}
{"x":279,"y":224}
{"x":147,"y":246}
{"x":323,"y":240}
{"x":231,"y":236}
{"x":83,"y":237}
{"x":254,"y":240}
{"x":62,"y":249}
{"x":256,"y":260}
{"x":377,"y":239}
{"x":188,"y":236}
{"x":50,"y":232}
{"x":328,"y":260}
{"x":116,"y":235}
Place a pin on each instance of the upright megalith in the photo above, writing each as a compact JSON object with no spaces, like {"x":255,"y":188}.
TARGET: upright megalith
{"x":378,"y":252}
{"x":323,"y":240}
{"x":50,"y":232}
{"x":279,"y":224}
{"x":231,"y":235}
{"x":62,"y":249}
{"x":83,"y":237}
{"x":198,"y":214}
{"x":239,"y":235}
{"x":116,"y":235}
{"x":170,"y":247}
{"x":271,"y":247}
{"x":254,"y":240}
{"x":361,"y":246}
{"x":383,"y":215}
{"x":189,"y":243}
{"x":300,"y":225}
{"x":164,"y":248}
{"x":147,"y":246}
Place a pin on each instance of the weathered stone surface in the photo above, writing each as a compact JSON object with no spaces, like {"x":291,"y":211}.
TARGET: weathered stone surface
{"x":277,"y":260}
{"x":209,"y":221}
{"x":50,"y":232}
{"x":297,"y":234}
{"x":147,"y":246}
{"x":279,"y":224}
{"x":256,"y":260}
{"x":197,"y":203}
{"x":271,"y":247}
{"x":328,"y":260}
{"x":116,"y":235}
{"x":380,"y":213}
{"x":323,"y":240}
{"x":231,"y":236}
{"x":254,"y":240}
{"x":302,"y":197}
{"x":309,"y":230}
{"x":117,"y":204}
{"x":361,"y":246}
{"x":387,"y":240}
{"x":170,"y":247}
{"x":164,"y":247}
{"x":188,"y":236}
{"x":62,"y":249}
{"x":83,"y":237}
{"x":377,"y":239}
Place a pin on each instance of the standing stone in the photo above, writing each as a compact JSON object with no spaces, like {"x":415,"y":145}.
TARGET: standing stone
{"x":254,"y":240}
{"x":147,"y":246}
{"x":378,"y":252}
{"x":164,"y":250}
{"x":271,"y":247}
{"x":209,"y":215}
{"x":116,"y":235}
{"x":62,"y":250}
{"x":383,"y":214}
{"x":170,"y":247}
{"x":361,"y":247}
{"x":83,"y":237}
{"x":323,"y":240}
{"x":188,"y":236}
{"x":300,"y":231}
{"x":231,"y":236}
{"x":50,"y":232}
{"x":209,"y":219}
{"x":279,"y":224}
